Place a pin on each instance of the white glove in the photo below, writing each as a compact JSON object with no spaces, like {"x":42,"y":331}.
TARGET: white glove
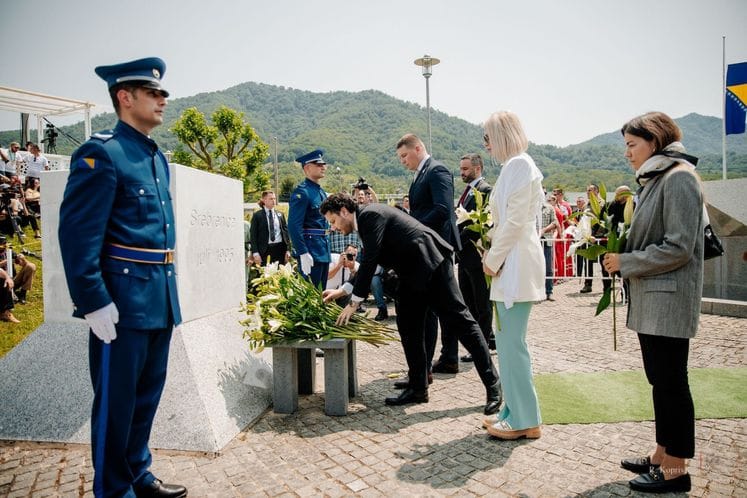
{"x":102,"y":322}
{"x":306,"y":263}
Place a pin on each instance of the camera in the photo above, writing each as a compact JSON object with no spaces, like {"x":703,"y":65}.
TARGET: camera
{"x":361,"y":184}
{"x":350,"y":257}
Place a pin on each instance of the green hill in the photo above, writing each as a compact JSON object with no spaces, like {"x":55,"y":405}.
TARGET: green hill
{"x":358,"y":131}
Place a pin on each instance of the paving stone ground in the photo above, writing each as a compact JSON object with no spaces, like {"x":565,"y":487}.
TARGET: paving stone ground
{"x":438,"y":448}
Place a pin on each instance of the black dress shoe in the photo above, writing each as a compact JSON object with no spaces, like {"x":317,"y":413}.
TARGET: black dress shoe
{"x":404,"y":384}
{"x":445,"y":368}
{"x":641,"y":465}
{"x":495,"y":397}
{"x":467,"y":358}
{"x":158,"y":489}
{"x":407,"y":396}
{"x":491,"y":343}
{"x":654,"y":482}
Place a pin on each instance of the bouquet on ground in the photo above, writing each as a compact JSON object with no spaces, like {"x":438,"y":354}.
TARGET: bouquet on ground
{"x":285,"y":308}
{"x":480,"y":221}
{"x":613,"y":241}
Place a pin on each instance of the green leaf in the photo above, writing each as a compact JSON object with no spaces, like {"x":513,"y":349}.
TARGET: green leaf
{"x":604,"y":301}
{"x":592,"y":252}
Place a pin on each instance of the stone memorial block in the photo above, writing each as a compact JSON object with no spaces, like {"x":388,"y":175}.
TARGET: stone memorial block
{"x":215,"y":385}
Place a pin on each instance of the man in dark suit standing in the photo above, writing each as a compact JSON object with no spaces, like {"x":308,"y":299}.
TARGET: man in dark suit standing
{"x":432,"y":203}
{"x":422,"y":259}
{"x":269,"y":232}
{"x":472,"y":281}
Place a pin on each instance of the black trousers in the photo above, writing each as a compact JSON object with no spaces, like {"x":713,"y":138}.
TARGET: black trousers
{"x":441,"y":295}
{"x":665,"y":364}
{"x":476,"y":295}
{"x":276,"y":252}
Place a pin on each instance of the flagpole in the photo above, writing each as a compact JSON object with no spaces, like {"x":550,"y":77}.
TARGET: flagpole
{"x":723,"y":107}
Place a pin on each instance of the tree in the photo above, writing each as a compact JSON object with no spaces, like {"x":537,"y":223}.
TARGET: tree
{"x":286,"y":188}
{"x":229,"y":146}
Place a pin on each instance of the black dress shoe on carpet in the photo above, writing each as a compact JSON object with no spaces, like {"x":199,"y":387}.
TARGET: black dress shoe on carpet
{"x":495,"y":397}
{"x":585,"y":289}
{"x":406,"y":397}
{"x":445,"y":368}
{"x":404,"y":384}
{"x":466,"y":358}
{"x":654,"y":482}
{"x":158,"y":489}
{"x":641,"y":465}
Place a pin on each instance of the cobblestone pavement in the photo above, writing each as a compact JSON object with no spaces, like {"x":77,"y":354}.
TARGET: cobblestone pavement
{"x":437,"y":448}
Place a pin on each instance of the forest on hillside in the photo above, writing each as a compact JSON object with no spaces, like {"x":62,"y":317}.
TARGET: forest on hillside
{"x":358,"y":131}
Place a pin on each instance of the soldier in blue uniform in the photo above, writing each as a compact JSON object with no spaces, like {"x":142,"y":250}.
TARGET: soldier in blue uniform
{"x":117,"y":242}
{"x":307,"y":227}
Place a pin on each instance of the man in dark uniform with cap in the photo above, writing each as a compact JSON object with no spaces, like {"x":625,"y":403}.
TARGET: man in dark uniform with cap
{"x":117,"y":242}
{"x":307,"y":229}
{"x":306,"y":225}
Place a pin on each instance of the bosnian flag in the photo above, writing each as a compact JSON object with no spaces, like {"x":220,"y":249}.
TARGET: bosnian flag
{"x":736,"y":98}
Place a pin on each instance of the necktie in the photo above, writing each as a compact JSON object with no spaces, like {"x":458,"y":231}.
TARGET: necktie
{"x":464,"y":196}
{"x":271,"y":219}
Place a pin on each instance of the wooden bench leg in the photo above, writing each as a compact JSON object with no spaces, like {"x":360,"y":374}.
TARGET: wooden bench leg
{"x":306,"y":371}
{"x":285,"y":380}
{"x":336,"y":382}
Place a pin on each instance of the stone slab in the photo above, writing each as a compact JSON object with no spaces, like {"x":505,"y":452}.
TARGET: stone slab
{"x":214,"y":389}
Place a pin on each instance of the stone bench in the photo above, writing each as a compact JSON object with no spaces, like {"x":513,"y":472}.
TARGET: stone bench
{"x":294,"y":372}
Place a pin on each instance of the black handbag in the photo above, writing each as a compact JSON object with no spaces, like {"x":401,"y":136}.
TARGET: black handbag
{"x":712,"y":247}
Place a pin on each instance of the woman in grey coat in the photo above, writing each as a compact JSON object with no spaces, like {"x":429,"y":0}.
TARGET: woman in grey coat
{"x":663,"y":263}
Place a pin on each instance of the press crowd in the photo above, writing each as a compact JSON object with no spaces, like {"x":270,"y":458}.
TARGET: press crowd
{"x":20,"y":197}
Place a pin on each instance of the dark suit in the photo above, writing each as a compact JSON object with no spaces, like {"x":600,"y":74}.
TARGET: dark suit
{"x":432,"y":204}
{"x":422,"y":259}
{"x":472,"y":281}
{"x":259,"y":235}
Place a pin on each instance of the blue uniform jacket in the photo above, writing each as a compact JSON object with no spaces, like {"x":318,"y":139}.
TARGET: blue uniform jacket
{"x":118,"y":191}
{"x":304,"y":213}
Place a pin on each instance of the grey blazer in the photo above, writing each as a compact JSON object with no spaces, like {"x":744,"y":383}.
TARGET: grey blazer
{"x":663,"y":257}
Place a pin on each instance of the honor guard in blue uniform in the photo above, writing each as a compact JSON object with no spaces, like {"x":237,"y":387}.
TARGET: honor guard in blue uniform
{"x":307,"y":227}
{"x":117,"y":240}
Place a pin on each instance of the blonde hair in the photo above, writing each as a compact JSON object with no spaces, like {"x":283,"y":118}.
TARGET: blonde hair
{"x":506,"y":135}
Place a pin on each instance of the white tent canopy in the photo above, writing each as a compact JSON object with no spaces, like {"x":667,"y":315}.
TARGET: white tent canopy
{"x":41,"y":105}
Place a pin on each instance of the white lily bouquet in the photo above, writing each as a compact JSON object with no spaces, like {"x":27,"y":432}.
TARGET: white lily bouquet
{"x":285,"y":308}
{"x":480,"y":221}
{"x":612,"y":242}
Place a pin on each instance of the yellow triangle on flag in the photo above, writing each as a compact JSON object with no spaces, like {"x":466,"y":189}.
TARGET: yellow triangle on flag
{"x":739,"y":91}
{"x":91,"y":162}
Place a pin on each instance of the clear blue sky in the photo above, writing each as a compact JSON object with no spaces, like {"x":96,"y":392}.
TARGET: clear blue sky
{"x":571,"y":69}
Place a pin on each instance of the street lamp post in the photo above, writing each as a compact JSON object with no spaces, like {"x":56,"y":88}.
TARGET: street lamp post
{"x":427,"y":62}
{"x":277,"y":191}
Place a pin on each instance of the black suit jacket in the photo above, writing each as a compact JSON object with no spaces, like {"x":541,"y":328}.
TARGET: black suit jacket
{"x":469,"y":256}
{"x":432,"y":200}
{"x":395,"y":240}
{"x":259,"y":231}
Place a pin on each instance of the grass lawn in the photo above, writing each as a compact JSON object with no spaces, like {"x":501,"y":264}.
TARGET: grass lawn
{"x":32,"y":313}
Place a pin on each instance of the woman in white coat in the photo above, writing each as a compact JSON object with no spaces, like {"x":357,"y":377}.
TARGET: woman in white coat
{"x":516,"y":262}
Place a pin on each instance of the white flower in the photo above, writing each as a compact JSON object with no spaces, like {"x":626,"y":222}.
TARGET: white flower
{"x":274,"y":324}
{"x":463,"y":215}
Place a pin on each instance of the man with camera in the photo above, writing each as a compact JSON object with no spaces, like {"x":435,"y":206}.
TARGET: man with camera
{"x":364,"y":193}
{"x":342,"y":268}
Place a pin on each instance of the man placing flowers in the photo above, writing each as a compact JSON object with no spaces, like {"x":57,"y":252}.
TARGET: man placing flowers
{"x":422,"y":259}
